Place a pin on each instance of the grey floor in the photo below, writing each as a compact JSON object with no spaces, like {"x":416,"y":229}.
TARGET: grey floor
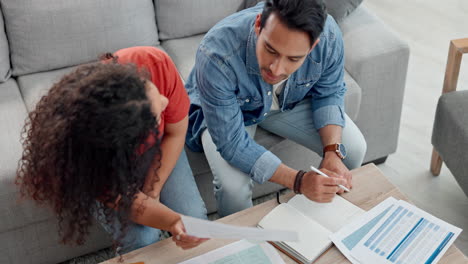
{"x":428,"y":26}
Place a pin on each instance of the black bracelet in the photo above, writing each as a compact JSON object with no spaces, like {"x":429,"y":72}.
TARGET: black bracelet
{"x":298,"y":181}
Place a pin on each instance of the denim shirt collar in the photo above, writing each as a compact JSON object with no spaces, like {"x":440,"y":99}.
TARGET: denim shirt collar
{"x":251,"y":60}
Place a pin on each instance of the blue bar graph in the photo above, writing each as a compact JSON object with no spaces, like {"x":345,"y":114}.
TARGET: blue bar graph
{"x":381,"y":228}
{"x":390,"y":228}
{"x":440,"y":248}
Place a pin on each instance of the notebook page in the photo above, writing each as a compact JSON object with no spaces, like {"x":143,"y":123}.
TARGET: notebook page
{"x":313,"y":238}
{"x":332,"y":215}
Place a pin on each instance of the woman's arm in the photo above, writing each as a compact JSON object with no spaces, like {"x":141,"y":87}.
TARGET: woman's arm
{"x":171,"y":146}
{"x":150,"y":212}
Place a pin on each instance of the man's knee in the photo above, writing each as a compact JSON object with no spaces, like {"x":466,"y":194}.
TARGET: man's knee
{"x":233,"y":198}
{"x":235,"y":186}
{"x":356,"y":150}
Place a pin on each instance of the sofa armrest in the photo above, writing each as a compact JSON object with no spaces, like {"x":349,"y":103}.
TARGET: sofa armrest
{"x":378,"y":60}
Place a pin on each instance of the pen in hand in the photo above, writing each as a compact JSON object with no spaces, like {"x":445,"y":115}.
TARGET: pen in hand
{"x":323,"y":174}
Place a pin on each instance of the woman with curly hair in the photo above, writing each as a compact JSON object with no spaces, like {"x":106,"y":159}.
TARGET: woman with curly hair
{"x":107,"y":142}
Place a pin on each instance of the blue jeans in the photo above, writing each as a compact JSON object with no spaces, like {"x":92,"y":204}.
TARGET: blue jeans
{"x":180,"y":193}
{"x":233,"y":188}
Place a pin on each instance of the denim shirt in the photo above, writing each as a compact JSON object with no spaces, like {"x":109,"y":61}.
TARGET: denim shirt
{"x":228,"y":93}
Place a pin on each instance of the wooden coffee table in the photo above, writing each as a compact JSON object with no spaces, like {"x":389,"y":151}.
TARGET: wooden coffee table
{"x":370,"y":188}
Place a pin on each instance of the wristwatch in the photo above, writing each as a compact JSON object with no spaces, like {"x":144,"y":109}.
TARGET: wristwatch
{"x":338,"y":148}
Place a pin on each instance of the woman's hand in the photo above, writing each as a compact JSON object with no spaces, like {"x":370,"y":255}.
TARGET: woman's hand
{"x":183,"y":240}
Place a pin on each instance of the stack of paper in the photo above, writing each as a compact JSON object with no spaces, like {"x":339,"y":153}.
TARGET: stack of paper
{"x":395,"y":232}
{"x":241,"y":252}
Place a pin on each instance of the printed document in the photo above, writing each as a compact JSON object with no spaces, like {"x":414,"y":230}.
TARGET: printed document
{"x":395,"y":232}
{"x":241,"y":252}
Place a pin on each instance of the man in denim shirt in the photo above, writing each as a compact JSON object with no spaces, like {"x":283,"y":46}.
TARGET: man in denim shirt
{"x":279,"y":65}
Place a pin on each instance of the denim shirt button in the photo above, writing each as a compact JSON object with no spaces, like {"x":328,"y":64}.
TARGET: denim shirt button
{"x":247,"y":100}
{"x":269,"y":93}
{"x":307,"y":85}
{"x":265,"y":114}
{"x":255,"y":120}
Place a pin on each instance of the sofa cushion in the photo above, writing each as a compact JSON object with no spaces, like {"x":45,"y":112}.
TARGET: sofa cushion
{"x":12,"y":117}
{"x":182,"y":52}
{"x":182,"y":18}
{"x":52,"y":34}
{"x":352,"y":97}
{"x":450,"y":134}
{"x":338,"y":9}
{"x":4,"y":53}
{"x":38,"y":242}
{"x":34,"y":86}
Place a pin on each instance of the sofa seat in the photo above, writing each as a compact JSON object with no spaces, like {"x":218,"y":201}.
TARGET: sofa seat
{"x":450,"y":134}
{"x":34,"y":86}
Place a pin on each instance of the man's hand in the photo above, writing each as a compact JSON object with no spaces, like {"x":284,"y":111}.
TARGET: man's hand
{"x":319,"y":188}
{"x":183,"y":240}
{"x":332,"y":162}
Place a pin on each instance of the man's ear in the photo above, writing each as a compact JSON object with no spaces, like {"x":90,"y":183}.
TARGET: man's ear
{"x":315,"y":44}
{"x":258,"y":24}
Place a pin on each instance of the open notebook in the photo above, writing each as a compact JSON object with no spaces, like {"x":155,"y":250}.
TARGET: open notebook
{"x":314,"y":222}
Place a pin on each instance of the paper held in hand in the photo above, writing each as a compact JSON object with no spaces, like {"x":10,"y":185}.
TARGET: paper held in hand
{"x":207,"y":229}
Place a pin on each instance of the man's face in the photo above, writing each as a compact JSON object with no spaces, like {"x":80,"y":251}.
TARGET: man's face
{"x":280,"y":50}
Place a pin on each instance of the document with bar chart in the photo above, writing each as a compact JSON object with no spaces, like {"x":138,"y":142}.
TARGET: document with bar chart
{"x":405,"y":235}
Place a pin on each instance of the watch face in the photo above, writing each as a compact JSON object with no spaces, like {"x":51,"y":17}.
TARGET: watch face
{"x":342,"y":150}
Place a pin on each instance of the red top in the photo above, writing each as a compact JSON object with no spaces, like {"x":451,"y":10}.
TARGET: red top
{"x":165,"y":77}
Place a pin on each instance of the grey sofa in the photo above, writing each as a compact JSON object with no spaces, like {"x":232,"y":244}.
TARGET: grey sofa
{"x":44,"y":39}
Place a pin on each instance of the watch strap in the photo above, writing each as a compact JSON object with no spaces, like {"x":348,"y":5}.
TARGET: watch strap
{"x":333,"y":147}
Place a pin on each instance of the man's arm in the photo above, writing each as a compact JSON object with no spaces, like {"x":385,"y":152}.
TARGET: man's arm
{"x":217,"y":84}
{"x":331,"y":134}
{"x":314,"y":186}
{"x":328,"y":102}
{"x":172,"y":144}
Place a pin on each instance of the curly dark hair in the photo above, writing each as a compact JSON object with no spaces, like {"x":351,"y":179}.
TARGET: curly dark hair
{"x":81,"y":145}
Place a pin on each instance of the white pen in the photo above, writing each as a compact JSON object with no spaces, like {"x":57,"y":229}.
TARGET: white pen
{"x":323,"y":174}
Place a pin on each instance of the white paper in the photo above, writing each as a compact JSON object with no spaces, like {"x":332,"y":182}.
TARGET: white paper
{"x":332,"y":215}
{"x":207,"y":229}
{"x":406,"y":235}
{"x":313,"y":237}
{"x":241,"y":252}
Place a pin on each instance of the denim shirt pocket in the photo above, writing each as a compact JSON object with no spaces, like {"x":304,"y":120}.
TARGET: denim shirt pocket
{"x":299,"y":92}
{"x":249,"y":103}
{"x":310,"y":71}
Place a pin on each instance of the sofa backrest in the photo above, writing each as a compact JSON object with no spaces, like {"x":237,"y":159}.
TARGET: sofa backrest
{"x":51,"y":34}
{"x":182,"y":18}
{"x":4,"y":55}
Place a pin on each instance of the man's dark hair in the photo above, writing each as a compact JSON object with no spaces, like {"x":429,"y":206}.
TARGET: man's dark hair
{"x":303,"y":15}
